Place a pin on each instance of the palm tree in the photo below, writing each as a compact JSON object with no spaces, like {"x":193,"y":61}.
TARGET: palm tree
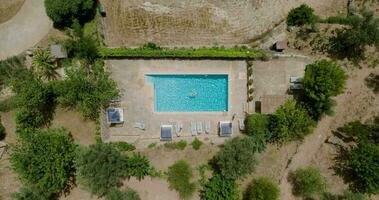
{"x":43,"y":65}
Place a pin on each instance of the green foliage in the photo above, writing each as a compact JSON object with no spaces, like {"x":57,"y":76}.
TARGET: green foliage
{"x":219,"y":188}
{"x":185,"y":53}
{"x":87,"y":90}
{"x":372,"y":81}
{"x":308,"y":182}
{"x":348,"y":195}
{"x":63,"y":12}
{"x":350,"y":42}
{"x":181,"y":145}
{"x":138,"y":166}
{"x":27,"y":193}
{"x":361,"y":167}
{"x":322,"y":80}
{"x":44,"y":159}
{"x":2,"y":131}
{"x":152,"y":145}
{"x":263,"y":189}
{"x":236,"y":159}
{"x":368,"y":132}
{"x":179,"y":177}
{"x":100,"y":168}
{"x":124,"y":146}
{"x":127,"y":194}
{"x":12,"y":69}
{"x":257,"y":125}
{"x":43,"y":65}
{"x":301,"y":15}
{"x":196,"y":144}
{"x":290,"y":122}
{"x":36,"y":103}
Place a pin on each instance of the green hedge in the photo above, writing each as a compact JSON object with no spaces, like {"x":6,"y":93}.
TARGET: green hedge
{"x":185,"y":53}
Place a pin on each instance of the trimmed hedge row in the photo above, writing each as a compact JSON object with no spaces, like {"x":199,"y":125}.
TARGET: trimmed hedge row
{"x":185,"y":53}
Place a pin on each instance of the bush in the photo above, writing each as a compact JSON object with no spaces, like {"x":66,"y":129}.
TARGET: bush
{"x":196,"y":144}
{"x":185,"y":53}
{"x":322,"y":80}
{"x":263,"y":189}
{"x":308,"y":182}
{"x":43,"y":65}
{"x":127,"y":194}
{"x":29,"y":159}
{"x":179,"y":177}
{"x":219,"y":188}
{"x":181,"y":145}
{"x":63,"y":12}
{"x":27,"y":193}
{"x":301,"y":15}
{"x":123,"y":146}
{"x":100,"y":168}
{"x":2,"y":131}
{"x":236,"y":159}
{"x":258,"y":124}
{"x":290,"y":122}
{"x":348,"y":195}
{"x":138,"y":166}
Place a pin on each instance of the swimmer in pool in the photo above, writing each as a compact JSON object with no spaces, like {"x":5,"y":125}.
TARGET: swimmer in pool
{"x":193,"y":94}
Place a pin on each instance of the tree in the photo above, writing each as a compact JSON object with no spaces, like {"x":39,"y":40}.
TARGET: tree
{"x":63,"y":12}
{"x":100,"y":168}
{"x":257,"y":127}
{"x":43,"y":65}
{"x":361,"y":167}
{"x":263,"y":189}
{"x":138,"y":166}
{"x":127,"y":194}
{"x":87,"y":90}
{"x":44,"y":159}
{"x":219,"y":188}
{"x":236,"y":159}
{"x":308,"y":182}
{"x":179,"y":177}
{"x":348,"y":195}
{"x":350,"y":42}
{"x":322,"y":80}
{"x":301,"y":15}
{"x":290,"y":122}
{"x":2,"y":131}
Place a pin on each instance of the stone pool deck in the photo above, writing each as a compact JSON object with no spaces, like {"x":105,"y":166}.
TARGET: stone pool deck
{"x":137,"y":99}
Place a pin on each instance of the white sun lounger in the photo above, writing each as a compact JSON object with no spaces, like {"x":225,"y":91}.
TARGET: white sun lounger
{"x":241,"y":123}
{"x":199,"y":126}
{"x":207,"y":127}
{"x":193,"y":129}
{"x":178,"y":128}
{"x":140,"y":125}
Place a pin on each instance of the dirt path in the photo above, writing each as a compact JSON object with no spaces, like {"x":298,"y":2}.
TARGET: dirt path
{"x":357,"y":103}
{"x":25,"y":29}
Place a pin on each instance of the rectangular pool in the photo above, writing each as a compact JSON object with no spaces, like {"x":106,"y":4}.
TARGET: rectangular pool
{"x":190,"y":92}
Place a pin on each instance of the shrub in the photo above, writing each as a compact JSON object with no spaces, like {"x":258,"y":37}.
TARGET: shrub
{"x":251,"y":90}
{"x":219,"y":188}
{"x":27,"y":193}
{"x":308,"y":182}
{"x":123,"y":146}
{"x":2,"y":131}
{"x":138,"y":166}
{"x":63,"y":12}
{"x":301,"y":15}
{"x":322,"y":80}
{"x":290,"y":122}
{"x":236,"y":159}
{"x":43,"y":65}
{"x":29,"y":159}
{"x":127,"y":194}
{"x":152,"y":145}
{"x":348,"y":195}
{"x":263,"y":189}
{"x":100,"y":168}
{"x":179,"y":177}
{"x":257,"y":124}
{"x":181,"y":145}
{"x":250,"y":82}
{"x":196,"y":144}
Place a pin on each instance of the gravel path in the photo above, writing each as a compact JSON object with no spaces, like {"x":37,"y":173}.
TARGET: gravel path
{"x":25,"y":29}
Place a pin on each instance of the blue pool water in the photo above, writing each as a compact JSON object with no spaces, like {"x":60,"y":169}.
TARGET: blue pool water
{"x":190,"y":93}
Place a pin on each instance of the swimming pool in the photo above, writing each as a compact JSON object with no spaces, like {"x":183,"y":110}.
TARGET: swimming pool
{"x":190,"y":92}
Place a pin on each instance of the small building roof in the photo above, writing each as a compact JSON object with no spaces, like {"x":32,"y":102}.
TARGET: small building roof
{"x":166,"y":132}
{"x":226,"y":128}
{"x":58,"y":51}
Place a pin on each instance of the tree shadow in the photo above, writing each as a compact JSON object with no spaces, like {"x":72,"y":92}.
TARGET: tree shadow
{"x":372,"y":82}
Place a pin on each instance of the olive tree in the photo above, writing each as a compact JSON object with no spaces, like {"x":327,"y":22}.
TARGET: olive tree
{"x":301,"y":15}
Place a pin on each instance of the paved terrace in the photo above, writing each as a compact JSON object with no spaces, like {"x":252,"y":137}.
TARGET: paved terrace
{"x":138,"y":99}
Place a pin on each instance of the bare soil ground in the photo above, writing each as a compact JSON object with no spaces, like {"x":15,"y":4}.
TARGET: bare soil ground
{"x":198,"y":22}
{"x":8,"y":8}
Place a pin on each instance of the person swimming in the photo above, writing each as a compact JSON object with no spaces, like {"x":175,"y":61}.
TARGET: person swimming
{"x":193,"y":94}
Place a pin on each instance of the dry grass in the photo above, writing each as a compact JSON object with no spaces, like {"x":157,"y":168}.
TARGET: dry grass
{"x":8,"y":8}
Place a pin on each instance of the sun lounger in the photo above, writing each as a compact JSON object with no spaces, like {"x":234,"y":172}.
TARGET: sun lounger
{"x":199,"y":126}
{"x":178,"y":128}
{"x":226,"y":128}
{"x":193,"y":129}
{"x":166,"y":132}
{"x":207,"y":127}
{"x":241,"y":124}
{"x":139,"y":125}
